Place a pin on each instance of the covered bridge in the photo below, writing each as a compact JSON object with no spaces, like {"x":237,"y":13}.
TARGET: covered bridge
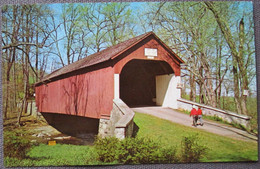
{"x":139,"y":71}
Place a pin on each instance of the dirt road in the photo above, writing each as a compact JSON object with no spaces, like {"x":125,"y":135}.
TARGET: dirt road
{"x":184,"y":119}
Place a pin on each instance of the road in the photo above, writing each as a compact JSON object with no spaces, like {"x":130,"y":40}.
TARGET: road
{"x":184,"y":119}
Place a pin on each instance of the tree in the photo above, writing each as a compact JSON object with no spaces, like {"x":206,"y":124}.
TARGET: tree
{"x":10,"y":52}
{"x":239,"y":59}
{"x":95,"y":24}
{"x":24,"y":35}
{"x":118,"y":22}
{"x":70,"y":23}
{"x":191,"y":36}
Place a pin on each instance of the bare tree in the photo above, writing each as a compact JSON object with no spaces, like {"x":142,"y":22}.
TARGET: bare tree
{"x":24,"y":37}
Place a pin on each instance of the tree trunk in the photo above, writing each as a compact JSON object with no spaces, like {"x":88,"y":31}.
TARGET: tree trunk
{"x":26,"y":69}
{"x":201,"y":99}
{"x":20,"y":113}
{"x":10,"y":60}
{"x":31,"y":108}
{"x":27,"y":72}
{"x":241,"y":65}
{"x":211,"y":93}
{"x":192,"y":88}
{"x":14,"y":88}
{"x":37,"y":51}
{"x":209,"y":84}
{"x":7,"y":94}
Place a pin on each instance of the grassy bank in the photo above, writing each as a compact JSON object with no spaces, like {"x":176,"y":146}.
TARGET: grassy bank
{"x":220,"y":149}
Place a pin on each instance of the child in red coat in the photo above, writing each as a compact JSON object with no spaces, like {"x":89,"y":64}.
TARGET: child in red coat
{"x":194,"y":115}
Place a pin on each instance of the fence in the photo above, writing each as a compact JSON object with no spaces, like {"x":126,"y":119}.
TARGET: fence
{"x":227,"y":116}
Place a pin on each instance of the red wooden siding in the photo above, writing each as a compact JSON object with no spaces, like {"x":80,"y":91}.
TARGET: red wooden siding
{"x":162,"y":53}
{"x":90,"y":94}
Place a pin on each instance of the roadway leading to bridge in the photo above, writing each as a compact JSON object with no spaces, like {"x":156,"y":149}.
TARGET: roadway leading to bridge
{"x":184,"y":119}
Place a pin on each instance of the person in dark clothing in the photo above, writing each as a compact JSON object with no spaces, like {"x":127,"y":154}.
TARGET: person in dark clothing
{"x":194,"y":115}
{"x":199,"y":111}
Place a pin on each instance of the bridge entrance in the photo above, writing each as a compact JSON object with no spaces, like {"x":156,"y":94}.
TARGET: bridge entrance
{"x":138,"y":81}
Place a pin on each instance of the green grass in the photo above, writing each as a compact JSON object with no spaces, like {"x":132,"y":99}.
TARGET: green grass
{"x":64,"y":154}
{"x":58,"y":155}
{"x":220,"y":149}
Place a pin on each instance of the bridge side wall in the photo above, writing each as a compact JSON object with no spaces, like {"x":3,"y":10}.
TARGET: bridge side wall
{"x":89,"y":95}
{"x":228,"y":116}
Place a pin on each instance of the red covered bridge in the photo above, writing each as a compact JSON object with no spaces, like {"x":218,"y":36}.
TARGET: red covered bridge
{"x":139,"y":71}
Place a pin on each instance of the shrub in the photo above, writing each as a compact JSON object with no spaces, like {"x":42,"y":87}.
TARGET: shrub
{"x":169,"y":155}
{"x":107,"y":149}
{"x":133,"y":151}
{"x":138,"y":150}
{"x":216,"y":118}
{"x":191,"y":151}
{"x":15,"y":145}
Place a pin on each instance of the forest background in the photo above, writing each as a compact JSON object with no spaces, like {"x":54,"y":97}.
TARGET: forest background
{"x":215,"y":39}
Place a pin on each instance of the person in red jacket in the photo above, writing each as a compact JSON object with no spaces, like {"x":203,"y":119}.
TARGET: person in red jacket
{"x":194,"y":115}
{"x":199,"y":111}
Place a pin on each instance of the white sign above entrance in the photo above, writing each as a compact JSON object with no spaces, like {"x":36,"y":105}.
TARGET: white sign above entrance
{"x":149,"y":52}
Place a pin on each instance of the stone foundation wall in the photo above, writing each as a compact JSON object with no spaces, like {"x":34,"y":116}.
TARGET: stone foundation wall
{"x":228,"y":116}
{"x":120,"y":123}
{"x":104,"y":129}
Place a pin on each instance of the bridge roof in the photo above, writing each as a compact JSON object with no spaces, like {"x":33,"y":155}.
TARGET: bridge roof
{"x":104,"y":55}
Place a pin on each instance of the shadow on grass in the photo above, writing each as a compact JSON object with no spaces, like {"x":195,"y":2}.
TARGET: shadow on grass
{"x":227,"y":128}
{"x":236,"y":158}
{"x":37,"y":158}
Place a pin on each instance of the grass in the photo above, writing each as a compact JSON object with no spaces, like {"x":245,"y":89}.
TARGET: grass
{"x":58,"y":155}
{"x":220,"y":149}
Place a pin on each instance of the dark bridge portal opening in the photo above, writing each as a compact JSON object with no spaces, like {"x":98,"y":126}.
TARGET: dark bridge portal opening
{"x":138,"y":81}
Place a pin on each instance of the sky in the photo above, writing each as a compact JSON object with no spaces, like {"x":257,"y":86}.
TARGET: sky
{"x":136,"y":6}
{"x":57,"y":8}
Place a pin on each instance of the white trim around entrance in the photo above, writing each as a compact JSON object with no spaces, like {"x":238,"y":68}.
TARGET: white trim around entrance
{"x":116,"y":86}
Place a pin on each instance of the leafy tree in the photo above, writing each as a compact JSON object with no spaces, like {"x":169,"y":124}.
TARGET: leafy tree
{"x":74,"y":33}
{"x":240,"y":57}
{"x":191,"y":37}
{"x":199,"y":40}
{"x":95,"y":24}
{"x":118,"y":22}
